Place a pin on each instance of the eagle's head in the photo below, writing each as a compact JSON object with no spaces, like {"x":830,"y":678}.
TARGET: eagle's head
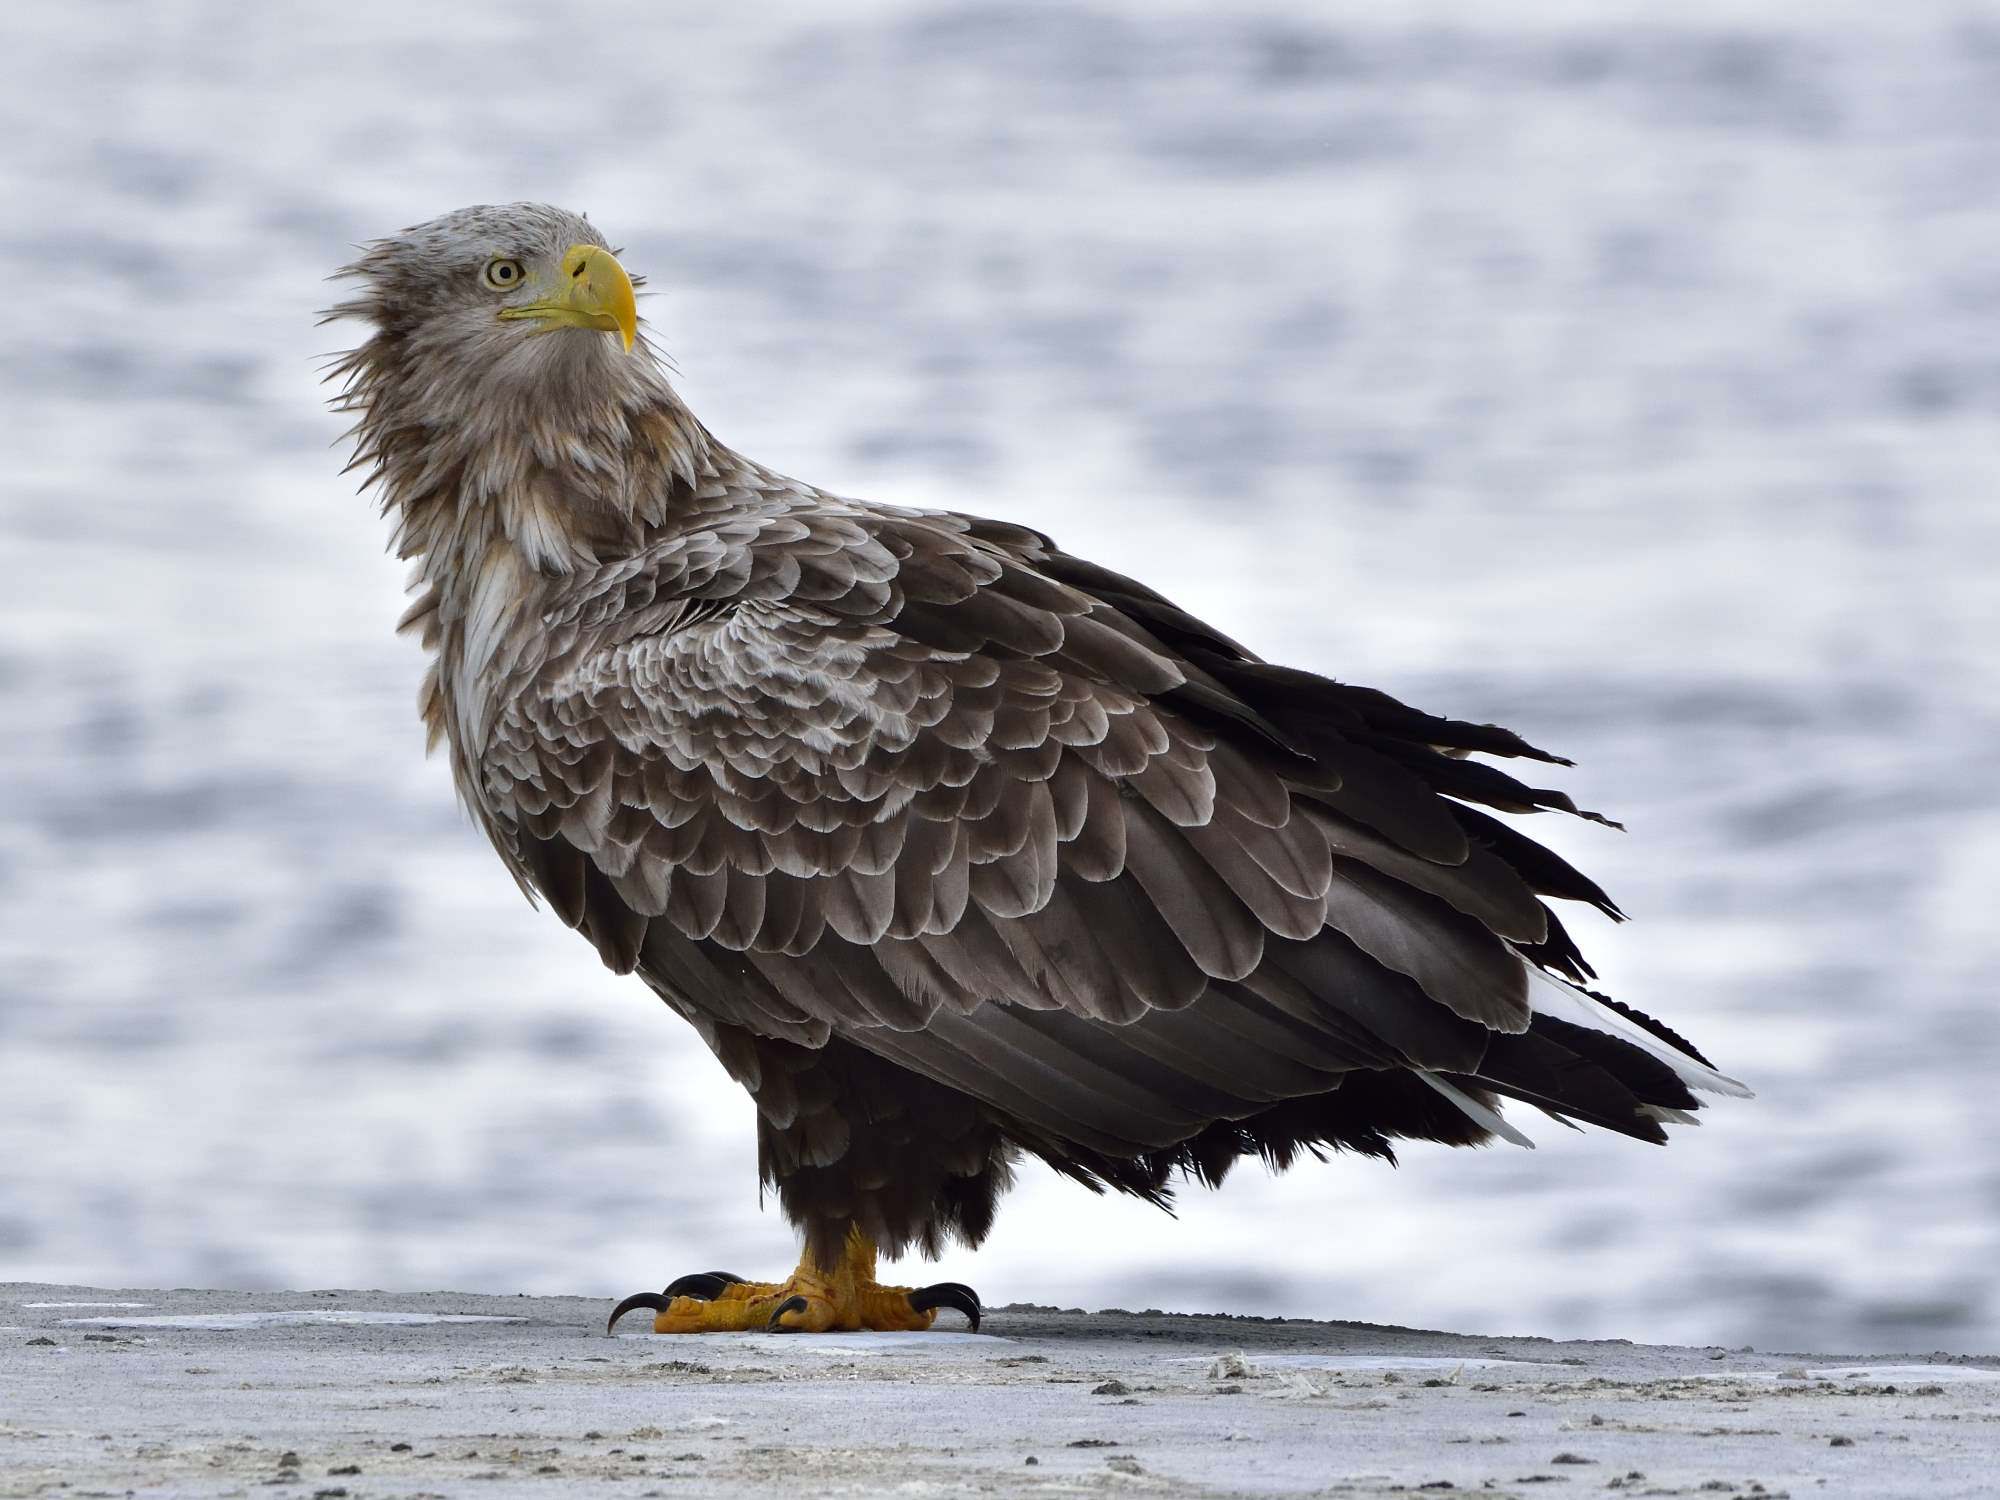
{"x":473,"y":298}
{"x":506,"y":376}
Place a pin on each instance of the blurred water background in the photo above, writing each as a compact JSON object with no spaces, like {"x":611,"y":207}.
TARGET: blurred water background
{"x":1624,"y":373}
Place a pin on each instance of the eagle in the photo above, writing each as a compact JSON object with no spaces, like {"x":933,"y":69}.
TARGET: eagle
{"x":954,"y":848}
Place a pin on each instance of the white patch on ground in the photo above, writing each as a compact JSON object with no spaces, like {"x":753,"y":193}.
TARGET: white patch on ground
{"x":324,"y":1315}
{"x":1899,"y":1374}
{"x":86,"y":1304}
{"x":868,"y":1343}
{"x":1360,"y":1362}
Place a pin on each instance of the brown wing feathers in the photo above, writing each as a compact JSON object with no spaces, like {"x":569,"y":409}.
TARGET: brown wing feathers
{"x":1023,"y":828}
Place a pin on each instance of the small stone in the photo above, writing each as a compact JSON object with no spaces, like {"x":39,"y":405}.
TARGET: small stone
{"x":1571,"y":1458}
{"x":1111,"y":1388}
{"x":1840,"y":1442}
{"x":331,"y":1492}
{"x":288,"y":1460}
{"x":1031,"y":1460}
{"x":339,"y":1469}
{"x":399,"y":1447}
{"x":1517,"y":1414}
{"x":45,"y":1343}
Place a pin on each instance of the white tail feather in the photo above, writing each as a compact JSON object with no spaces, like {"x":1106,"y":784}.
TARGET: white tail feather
{"x":1551,"y":996}
{"x":1475,"y":1111}
{"x":1668,"y":1116}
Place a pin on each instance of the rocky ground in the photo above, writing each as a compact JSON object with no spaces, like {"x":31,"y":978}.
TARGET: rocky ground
{"x":334,"y":1394}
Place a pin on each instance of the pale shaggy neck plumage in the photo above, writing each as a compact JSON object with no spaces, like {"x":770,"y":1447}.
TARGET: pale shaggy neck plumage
{"x":508,"y":453}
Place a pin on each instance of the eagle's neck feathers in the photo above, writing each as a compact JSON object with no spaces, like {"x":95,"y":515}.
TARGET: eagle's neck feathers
{"x":502,"y":482}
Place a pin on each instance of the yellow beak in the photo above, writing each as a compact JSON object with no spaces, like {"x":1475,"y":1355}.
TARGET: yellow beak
{"x":594,"y":292}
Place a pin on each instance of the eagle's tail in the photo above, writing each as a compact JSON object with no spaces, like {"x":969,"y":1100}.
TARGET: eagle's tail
{"x":1587,"y":1059}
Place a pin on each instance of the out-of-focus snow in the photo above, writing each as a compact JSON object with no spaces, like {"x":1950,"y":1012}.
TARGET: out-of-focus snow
{"x":1621,"y":373}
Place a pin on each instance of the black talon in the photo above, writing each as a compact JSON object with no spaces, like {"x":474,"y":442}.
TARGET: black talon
{"x":651,"y":1301}
{"x":954,"y":1294}
{"x":707,"y":1285}
{"x":790,"y":1304}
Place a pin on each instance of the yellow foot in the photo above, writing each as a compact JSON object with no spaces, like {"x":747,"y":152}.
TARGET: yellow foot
{"x":815,"y":1300}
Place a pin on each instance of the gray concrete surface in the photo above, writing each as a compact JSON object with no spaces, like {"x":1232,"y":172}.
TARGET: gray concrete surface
{"x":344,"y":1394}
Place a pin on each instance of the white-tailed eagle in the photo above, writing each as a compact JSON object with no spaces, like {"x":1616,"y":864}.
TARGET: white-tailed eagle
{"x":953,"y":847}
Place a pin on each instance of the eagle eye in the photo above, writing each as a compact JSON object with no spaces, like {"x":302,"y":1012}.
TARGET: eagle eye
{"x":503,"y":274}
